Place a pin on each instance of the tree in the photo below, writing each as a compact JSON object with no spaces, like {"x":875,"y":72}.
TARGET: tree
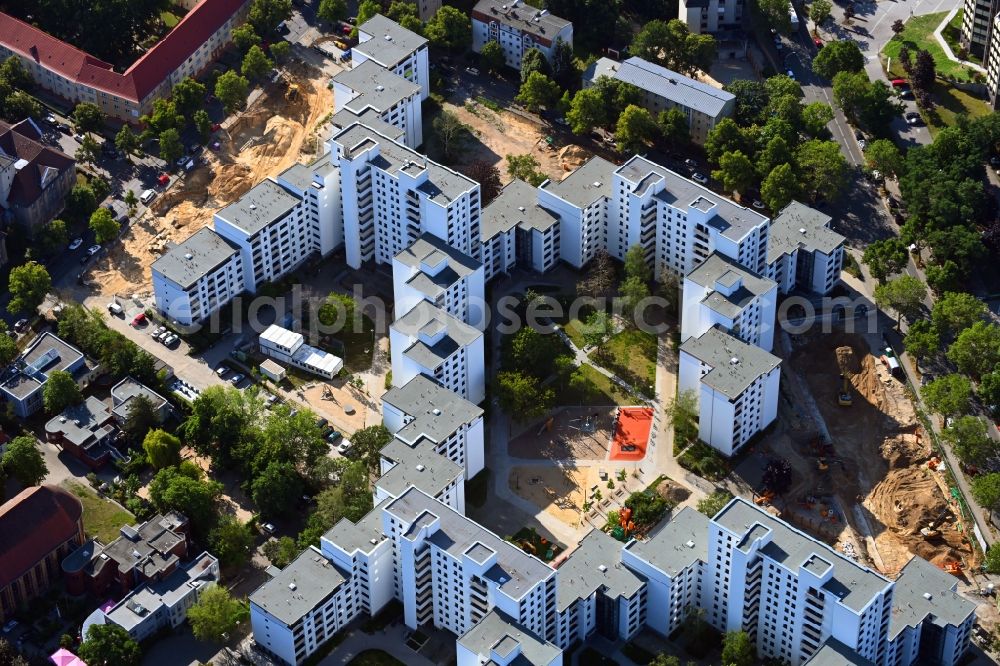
{"x":450,"y":131}
{"x":265,"y":15}
{"x":923,"y":74}
{"x":53,"y":237}
{"x":88,"y":117}
{"x":956,"y":311}
{"x":773,"y":155}
{"x":725,"y":137}
{"x":126,"y":140}
{"x":635,"y":264}
{"x":922,"y":340}
{"x":280,"y":51}
{"x":885,"y":257}
{"x":815,"y":117}
{"x":897,"y":27}
{"x":672,"y":45}
{"x":140,"y":418}
{"x":564,"y":71}
{"x":531,"y":352}
{"x":599,"y":279}
{"x":824,"y":169}
{"x":537,"y":92}
{"x":28,"y":284}
{"x":232,"y":89}
{"x":868,"y":103}
{"x":970,"y":440}
{"x":737,"y":650}
{"x":164,"y":116}
{"x":20,"y":105}
{"x":244,"y":36}
{"x":332,"y":11}
{"x":715,"y":502}
{"x":10,"y":656}
{"x":171,"y":147}
{"x":281,"y":551}
{"x":255,"y":65}
{"x":203,"y":123}
{"x":635,"y":129}
{"x":683,"y":415}
{"x":534,"y":60}
{"x":109,"y":645}
{"x":751,"y":100}
{"x":521,"y":396}
{"x":735,"y":171}
{"x":777,"y":476}
{"x":104,"y":225}
{"x":216,"y":614}
{"x":819,"y":12}
{"x":172,"y":490}
{"x":88,"y":150}
{"x":976,"y":350}
{"x":525,"y":167}
{"x":8,"y":346}
{"x":989,"y":390}
{"x":776,"y":13}
{"x":231,"y":541}
{"x":587,"y":111}
{"x":944,"y":277}
{"x":276,"y":489}
{"x":779,"y":187}
{"x":492,"y":56}
{"x":188,"y":96}
{"x":596,"y":328}
{"x":488,"y":176}
{"x":162,"y":449}
{"x":633,"y":291}
{"x":60,"y":391}
{"x":838,"y":56}
{"x":24,"y":461}
{"x":904,"y":294}
{"x":450,"y":28}
{"x":948,"y":395}
{"x":368,"y":442}
{"x":674,"y":128}
{"x":665,"y":660}
{"x":986,"y":491}
{"x":883,"y":155}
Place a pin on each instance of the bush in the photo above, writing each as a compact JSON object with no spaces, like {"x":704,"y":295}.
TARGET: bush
{"x":704,"y":461}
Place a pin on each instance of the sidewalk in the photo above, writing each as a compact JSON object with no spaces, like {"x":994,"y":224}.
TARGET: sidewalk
{"x":392,"y":640}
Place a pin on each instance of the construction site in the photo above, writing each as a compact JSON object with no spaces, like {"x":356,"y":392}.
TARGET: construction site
{"x":279,"y":128}
{"x":862,"y":473}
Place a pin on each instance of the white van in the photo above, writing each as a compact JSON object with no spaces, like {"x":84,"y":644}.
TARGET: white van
{"x":147,"y":196}
{"x":115,"y":309}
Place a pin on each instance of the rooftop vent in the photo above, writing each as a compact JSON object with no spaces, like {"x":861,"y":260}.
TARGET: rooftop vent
{"x":802,"y":230}
{"x":436,"y":412}
{"x":734,"y":361}
{"x":380,"y":88}
{"x":62,"y":419}
{"x":927,"y":596}
{"x":420,"y":468}
{"x":503,"y":579}
{"x":253,"y":206}
{"x":597,"y":183}
{"x":521,"y":208}
{"x":188,"y":256}
{"x":602,"y":568}
{"x":373,"y":541}
{"x":292,"y":586}
{"x":388,"y":38}
{"x":689,"y":543}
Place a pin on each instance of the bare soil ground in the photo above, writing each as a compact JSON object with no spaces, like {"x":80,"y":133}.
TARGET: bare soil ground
{"x":565,"y":440}
{"x":558,"y":491}
{"x":877,"y":472}
{"x":271,"y":135}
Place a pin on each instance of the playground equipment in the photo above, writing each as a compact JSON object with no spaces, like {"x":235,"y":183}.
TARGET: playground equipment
{"x":844,"y":398}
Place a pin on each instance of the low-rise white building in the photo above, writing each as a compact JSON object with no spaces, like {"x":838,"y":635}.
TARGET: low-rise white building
{"x":197,"y":277}
{"x":517,"y":27}
{"x":431,"y":271}
{"x":22,"y":383}
{"x":290,"y":347}
{"x":499,"y":640}
{"x":401,"y":51}
{"x":711,"y":16}
{"x":803,"y":251}
{"x":736,"y":385}
{"x":369,"y":86}
{"x":720,"y":292}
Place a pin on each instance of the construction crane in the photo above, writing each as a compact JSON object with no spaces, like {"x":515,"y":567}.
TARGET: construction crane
{"x":844,"y":398}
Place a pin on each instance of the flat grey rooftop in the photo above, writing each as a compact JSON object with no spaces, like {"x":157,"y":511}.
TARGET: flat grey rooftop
{"x":515,"y":206}
{"x":681,"y":542}
{"x":585,"y":185}
{"x":370,"y":118}
{"x":500,"y":634}
{"x":515,"y":572}
{"x":298,"y":176}
{"x":442,"y":185}
{"x":853,"y":584}
{"x":197,"y":256}
{"x":363,"y":535}
{"x":429,"y":250}
{"x":679,"y":89}
{"x":799,"y":226}
{"x":428,"y":319}
{"x":435,"y":411}
{"x":265,"y":203}
{"x":835,"y":653}
{"x":390,"y":42}
{"x":735,"y":364}
{"x":418,"y":466}
{"x":600,"y":67}
{"x":127,"y":390}
{"x":43,"y":355}
{"x":299,"y":587}
{"x":149,"y":599}
{"x":79,"y":423}
{"x":925,"y":592}
{"x":523,"y":17}
{"x":595,"y":565}
{"x":723,"y":271}
{"x":730,"y":219}
{"x":377,"y":87}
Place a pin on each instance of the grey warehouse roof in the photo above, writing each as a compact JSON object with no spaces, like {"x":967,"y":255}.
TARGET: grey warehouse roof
{"x":299,"y":588}
{"x":735,"y":364}
{"x":596,"y":563}
{"x":835,"y":653}
{"x":799,"y":226}
{"x":522,"y":16}
{"x":431,"y":250}
{"x":585,"y":185}
{"x":390,"y":42}
{"x":377,"y":87}
{"x":515,"y":206}
{"x":922,"y":590}
{"x":264,"y":204}
{"x":853,"y":584}
{"x":418,"y":466}
{"x":721,"y":269}
{"x":681,"y":542}
{"x":671,"y":85}
{"x":498,"y":632}
{"x":436,"y":412}
{"x":515,"y":572}
{"x":730,"y":219}
{"x":194,"y":258}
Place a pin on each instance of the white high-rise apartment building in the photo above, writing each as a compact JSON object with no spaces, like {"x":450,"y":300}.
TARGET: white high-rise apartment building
{"x":803,"y":251}
{"x":421,"y":410}
{"x":517,"y":27}
{"x":401,"y":51}
{"x":515,"y":230}
{"x":402,"y":466}
{"x":391,"y":195}
{"x":431,"y":271}
{"x":498,"y":640}
{"x":197,"y":277}
{"x":720,"y":292}
{"x":369,"y":87}
{"x":736,"y":385}
{"x":581,"y":201}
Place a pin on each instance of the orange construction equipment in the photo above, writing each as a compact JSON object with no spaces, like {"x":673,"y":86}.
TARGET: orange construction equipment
{"x":821,"y":464}
{"x":953,"y":567}
{"x":765,"y":498}
{"x":933,"y":462}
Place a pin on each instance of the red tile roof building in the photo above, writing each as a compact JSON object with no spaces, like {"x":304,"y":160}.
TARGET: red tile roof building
{"x":39,"y":527}
{"x":76,"y":76}
{"x":34,"y":178}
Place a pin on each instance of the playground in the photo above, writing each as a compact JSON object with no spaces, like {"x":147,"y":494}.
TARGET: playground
{"x":570,"y":433}
{"x":632,"y":428}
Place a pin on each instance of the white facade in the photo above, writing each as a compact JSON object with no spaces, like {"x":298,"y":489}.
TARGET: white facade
{"x":289,"y":347}
{"x":581,"y":201}
{"x":517,"y":27}
{"x":395,"y":48}
{"x":498,"y":640}
{"x":396,"y":100}
{"x":430,"y":271}
{"x":803,"y":251}
{"x":197,"y":277}
{"x":709,"y":16}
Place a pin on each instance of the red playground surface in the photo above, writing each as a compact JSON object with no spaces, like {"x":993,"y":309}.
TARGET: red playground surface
{"x":632,"y":426}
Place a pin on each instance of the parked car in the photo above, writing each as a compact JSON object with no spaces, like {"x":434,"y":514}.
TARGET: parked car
{"x":222,"y":371}
{"x":268,"y":527}
{"x":20,"y":325}
{"x":698,"y":177}
{"x":818,"y":42}
{"x":10,"y":626}
{"x":237,"y":378}
{"x":148,"y":196}
{"x":51,"y":120}
{"x":791,"y":75}
{"x":690,"y":164}
{"x":344,"y":448}
{"x":77,"y":242}
{"x":93,"y":249}
{"x":899,"y":83}
{"x":116,"y":309}
{"x":159,"y":331}
{"x":913,"y":119}
{"x":472,"y":70}
{"x":334,"y":437}
{"x":139,"y":319}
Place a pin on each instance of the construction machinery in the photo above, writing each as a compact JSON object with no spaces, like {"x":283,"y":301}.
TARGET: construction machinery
{"x":844,"y":398}
{"x":953,"y":567}
{"x":292,"y":93}
{"x":764,"y":498}
{"x":930,"y":532}
{"x":821,"y":464}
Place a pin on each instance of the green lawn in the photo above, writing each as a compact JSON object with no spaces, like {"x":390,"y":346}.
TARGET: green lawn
{"x":587,"y":386}
{"x":951,"y":103}
{"x":705,"y":461}
{"x":953,"y":33}
{"x":574,"y":330}
{"x":919,"y":34}
{"x":356,"y":347}
{"x":631,"y":355}
{"x":101,"y":519}
{"x":169,"y":20}
{"x":375,"y":658}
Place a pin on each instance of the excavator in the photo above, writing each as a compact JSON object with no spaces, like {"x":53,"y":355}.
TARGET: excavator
{"x":953,"y":567}
{"x":844,"y":398}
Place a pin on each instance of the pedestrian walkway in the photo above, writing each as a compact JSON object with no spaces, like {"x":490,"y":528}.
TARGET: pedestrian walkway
{"x":391,"y":640}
